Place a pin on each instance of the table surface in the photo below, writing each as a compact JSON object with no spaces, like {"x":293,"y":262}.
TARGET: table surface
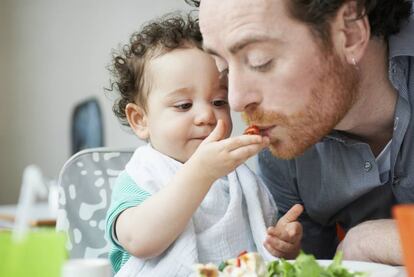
{"x":40,"y":213}
{"x":401,"y":272}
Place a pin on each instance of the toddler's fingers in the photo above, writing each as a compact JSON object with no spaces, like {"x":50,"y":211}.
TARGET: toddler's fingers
{"x":273,"y":251}
{"x":290,"y":233}
{"x":291,"y":215}
{"x":234,"y":143}
{"x":218,"y":132}
{"x":279,"y":232}
{"x":280,"y":245}
{"x":295,"y":231}
{"x":287,"y":251}
{"x":245,"y":152}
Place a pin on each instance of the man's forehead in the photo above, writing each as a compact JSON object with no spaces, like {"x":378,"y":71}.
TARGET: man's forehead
{"x":224,"y":21}
{"x":235,"y":3}
{"x":230,"y":10}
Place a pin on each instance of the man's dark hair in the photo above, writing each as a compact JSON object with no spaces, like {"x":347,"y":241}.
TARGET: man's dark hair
{"x":129,"y":64}
{"x":385,"y":16}
{"x":194,"y":3}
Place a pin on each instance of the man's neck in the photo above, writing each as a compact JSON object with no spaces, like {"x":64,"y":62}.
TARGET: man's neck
{"x":371,"y":118}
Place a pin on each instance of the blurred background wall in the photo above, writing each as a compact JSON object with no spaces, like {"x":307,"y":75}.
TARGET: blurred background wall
{"x":53,"y":54}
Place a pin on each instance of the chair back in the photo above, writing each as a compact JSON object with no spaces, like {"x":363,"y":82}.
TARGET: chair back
{"x":87,"y":126}
{"x":85,"y":188}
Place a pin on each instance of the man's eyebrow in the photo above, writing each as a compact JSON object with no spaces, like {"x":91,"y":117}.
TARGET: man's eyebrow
{"x":247,"y":41}
{"x":240,"y":44}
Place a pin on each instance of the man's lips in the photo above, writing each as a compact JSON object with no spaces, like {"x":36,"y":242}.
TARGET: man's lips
{"x":265,"y":130}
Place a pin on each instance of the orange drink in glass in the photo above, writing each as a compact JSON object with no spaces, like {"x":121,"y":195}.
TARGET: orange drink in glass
{"x":404,"y":215}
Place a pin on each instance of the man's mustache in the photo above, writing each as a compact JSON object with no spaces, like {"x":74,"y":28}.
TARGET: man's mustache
{"x":261,"y":117}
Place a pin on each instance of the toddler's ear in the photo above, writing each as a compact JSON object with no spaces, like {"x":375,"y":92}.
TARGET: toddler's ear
{"x":137,"y":119}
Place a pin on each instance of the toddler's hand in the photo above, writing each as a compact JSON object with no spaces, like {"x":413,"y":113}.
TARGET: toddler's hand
{"x":216,"y":157}
{"x":283,"y":240}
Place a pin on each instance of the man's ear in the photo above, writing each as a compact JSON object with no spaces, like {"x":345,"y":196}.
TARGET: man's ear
{"x":137,"y":119}
{"x":351,"y":32}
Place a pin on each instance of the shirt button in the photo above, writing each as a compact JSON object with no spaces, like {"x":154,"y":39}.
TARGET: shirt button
{"x":396,"y":122}
{"x":367,"y":166}
{"x":396,"y":180}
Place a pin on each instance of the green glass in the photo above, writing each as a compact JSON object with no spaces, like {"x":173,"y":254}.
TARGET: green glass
{"x":40,"y":254}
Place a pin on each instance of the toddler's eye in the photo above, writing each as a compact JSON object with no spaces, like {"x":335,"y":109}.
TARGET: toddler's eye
{"x":219,"y":103}
{"x":184,"y":106}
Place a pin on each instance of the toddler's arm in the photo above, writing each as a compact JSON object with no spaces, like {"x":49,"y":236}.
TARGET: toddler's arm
{"x":149,"y":229}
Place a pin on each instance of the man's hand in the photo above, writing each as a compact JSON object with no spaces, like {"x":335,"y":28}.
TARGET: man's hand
{"x":283,"y":240}
{"x":373,"y":241}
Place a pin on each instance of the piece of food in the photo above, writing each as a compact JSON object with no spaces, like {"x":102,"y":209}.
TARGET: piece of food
{"x":206,"y":270}
{"x":307,"y":265}
{"x":252,"y":130}
{"x":245,"y":265}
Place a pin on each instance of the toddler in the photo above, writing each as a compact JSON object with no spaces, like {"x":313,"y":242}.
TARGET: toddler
{"x":185,"y":197}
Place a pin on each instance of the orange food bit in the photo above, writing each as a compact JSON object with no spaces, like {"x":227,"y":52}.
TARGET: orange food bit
{"x":238,"y":259}
{"x":242,"y":253}
{"x":252,"y":130}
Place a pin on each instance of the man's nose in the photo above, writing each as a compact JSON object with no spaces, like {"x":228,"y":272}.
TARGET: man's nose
{"x":242,"y":91}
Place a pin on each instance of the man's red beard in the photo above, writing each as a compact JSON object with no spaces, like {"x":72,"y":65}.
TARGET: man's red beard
{"x":331,"y":98}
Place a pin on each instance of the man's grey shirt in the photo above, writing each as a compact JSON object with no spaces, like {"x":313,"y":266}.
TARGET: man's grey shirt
{"x":338,"y":180}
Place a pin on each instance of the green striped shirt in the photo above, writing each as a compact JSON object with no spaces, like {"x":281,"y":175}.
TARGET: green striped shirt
{"x":125,"y":194}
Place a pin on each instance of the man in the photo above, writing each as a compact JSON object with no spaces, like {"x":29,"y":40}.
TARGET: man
{"x":331,"y":84}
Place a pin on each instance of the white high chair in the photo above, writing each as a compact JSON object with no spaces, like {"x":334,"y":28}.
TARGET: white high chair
{"x":85,"y":187}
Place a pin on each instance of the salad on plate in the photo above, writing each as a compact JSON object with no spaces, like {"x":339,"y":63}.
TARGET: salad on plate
{"x":252,"y":265}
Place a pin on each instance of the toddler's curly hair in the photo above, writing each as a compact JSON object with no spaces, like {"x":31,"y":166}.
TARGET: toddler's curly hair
{"x":129,"y":64}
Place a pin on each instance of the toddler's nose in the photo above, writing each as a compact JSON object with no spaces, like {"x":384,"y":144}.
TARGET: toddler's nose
{"x":205,"y":115}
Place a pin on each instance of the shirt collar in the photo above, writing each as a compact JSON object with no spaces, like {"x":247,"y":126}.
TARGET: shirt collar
{"x":340,"y":137}
{"x":401,"y":44}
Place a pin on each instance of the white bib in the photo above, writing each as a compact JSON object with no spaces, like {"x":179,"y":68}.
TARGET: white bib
{"x":232,"y":218}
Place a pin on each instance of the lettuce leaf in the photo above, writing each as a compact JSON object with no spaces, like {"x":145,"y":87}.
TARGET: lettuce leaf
{"x":307,"y":266}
